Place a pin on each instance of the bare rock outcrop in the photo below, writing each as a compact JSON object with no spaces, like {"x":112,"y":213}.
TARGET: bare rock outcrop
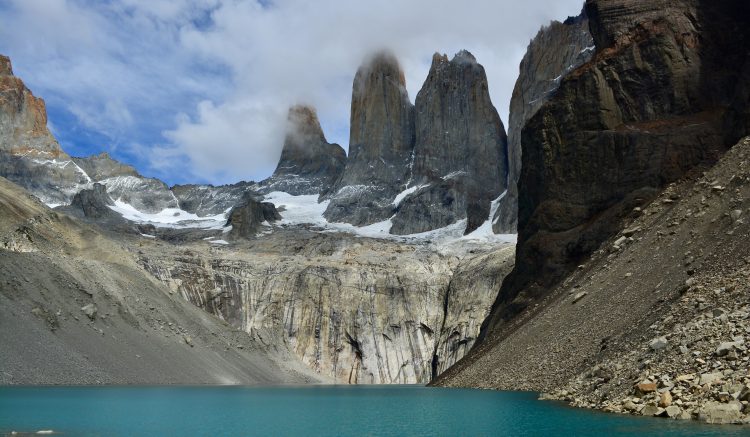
{"x":247,"y":217}
{"x":23,"y":118}
{"x":94,"y":203}
{"x":308,"y":164}
{"x":29,"y":154}
{"x":102,"y":166}
{"x":354,"y":310}
{"x":205,"y":200}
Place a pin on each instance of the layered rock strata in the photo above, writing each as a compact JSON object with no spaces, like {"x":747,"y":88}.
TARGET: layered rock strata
{"x":555,"y":51}
{"x":355,"y":310}
{"x":649,"y":107}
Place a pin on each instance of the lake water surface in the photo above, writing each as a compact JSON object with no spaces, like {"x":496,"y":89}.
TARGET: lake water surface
{"x":314,"y":411}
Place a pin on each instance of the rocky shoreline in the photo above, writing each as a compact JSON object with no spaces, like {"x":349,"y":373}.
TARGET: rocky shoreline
{"x":697,"y":364}
{"x":655,"y":323}
{"x":698,"y":369}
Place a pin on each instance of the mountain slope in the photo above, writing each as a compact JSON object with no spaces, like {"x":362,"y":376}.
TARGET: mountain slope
{"x":649,"y":107}
{"x":678,"y":269}
{"x":55,"y":271}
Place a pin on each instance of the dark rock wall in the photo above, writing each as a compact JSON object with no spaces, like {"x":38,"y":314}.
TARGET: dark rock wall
{"x":247,"y":218}
{"x":648,"y":108}
{"x":93,"y":202}
{"x":381,"y":142}
{"x":557,"y":49}
{"x":460,"y":150}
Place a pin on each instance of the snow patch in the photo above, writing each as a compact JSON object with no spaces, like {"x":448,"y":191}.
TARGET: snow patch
{"x":298,"y":210}
{"x":454,"y":174}
{"x":148,"y":236}
{"x":219,"y":242}
{"x":588,"y":49}
{"x":402,"y":195}
{"x":169,"y":217}
{"x":485,"y":233}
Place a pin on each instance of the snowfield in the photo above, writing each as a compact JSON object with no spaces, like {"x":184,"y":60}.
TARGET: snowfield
{"x":169,"y":217}
{"x":299,"y":210}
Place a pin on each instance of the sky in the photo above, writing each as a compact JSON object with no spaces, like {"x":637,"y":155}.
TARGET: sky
{"x":197,"y":90}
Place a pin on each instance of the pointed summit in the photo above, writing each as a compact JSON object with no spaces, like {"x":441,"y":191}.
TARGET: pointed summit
{"x":381,"y":141}
{"x":23,"y":125}
{"x":308,"y":163}
{"x":460,"y":155}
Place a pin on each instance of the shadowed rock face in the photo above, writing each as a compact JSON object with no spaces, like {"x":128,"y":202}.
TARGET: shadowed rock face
{"x":646,"y":109}
{"x":460,"y":151}
{"x":557,"y":49}
{"x":308,"y":163}
{"x":247,"y":218}
{"x":94,"y":202}
{"x":381,"y":141}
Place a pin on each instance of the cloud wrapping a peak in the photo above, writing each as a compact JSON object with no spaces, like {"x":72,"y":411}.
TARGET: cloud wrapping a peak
{"x":198,"y":90}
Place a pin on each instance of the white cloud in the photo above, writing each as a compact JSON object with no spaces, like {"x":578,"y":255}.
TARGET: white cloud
{"x":232,"y":67}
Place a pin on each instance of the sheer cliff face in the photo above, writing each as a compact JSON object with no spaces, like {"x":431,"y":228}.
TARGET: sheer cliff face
{"x":557,"y":50}
{"x":381,"y":141}
{"x":29,"y":154}
{"x":23,"y":118}
{"x":447,"y":157}
{"x":354,"y":310}
{"x":308,"y":163}
{"x":646,"y":109}
{"x":460,"y":161}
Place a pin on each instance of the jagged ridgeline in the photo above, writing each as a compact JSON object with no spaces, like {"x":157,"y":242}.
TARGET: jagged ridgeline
{"x":422,"y":166}
{"x":295,"y":289}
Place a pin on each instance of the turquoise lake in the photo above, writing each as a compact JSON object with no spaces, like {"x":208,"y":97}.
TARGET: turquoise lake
{"x":314,"y":411}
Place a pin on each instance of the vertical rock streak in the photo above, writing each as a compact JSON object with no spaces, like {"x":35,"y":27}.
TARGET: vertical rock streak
{"x":378,"y":322}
